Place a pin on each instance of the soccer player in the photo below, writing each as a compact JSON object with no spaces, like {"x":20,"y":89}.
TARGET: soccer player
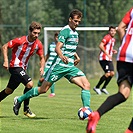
{"x":49,"y":59}
{"x":22,"y":49}
{"x":63,"y":64}
{"x":125,"y":74}
{"x":105,"y":60}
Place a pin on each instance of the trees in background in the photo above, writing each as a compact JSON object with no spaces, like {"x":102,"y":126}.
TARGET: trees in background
{"x":15,"y":16}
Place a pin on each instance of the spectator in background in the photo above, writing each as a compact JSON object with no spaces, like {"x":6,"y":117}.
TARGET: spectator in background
{"x":105,"y":60}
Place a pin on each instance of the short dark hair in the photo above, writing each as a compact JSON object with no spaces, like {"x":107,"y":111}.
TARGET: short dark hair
{"x":35,"y":25}
{"x":75,"y":12}
{"x":56,"y":34}
{"x":112,"y":27}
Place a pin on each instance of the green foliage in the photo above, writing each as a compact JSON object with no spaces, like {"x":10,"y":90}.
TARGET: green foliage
{"x":16,"y":15}
{"x":59,"y":114}
{"x":103,"y":12}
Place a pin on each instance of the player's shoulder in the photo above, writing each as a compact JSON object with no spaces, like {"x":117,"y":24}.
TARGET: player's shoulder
{"x":107,"y":37}
{"x":38,"y":41}
{"x":20,"y":40}
{"x":65,"y":29}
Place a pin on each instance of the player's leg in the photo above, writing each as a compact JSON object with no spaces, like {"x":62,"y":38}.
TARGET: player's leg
{"x":77,"y":77}
{"x":109,"y":104}
{"x":13,"y":83}
{"x":109,"y":73}
{"x":125,"y":84}
{"x":27,"y":110}
{"x":83,"y":83}
{"x":52,"y":88}
{"x":107,"y":80}
{"x":40,"y":81}
{"x":102,"y":79}
{"x":31,"y":93}
{"x":130,"y":128}
{"x":26,"y":80}
{"x":50,"y":78}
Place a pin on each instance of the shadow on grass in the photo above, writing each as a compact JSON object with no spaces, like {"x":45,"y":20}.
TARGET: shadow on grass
{"x":36,"y":118}
{"x":5,"y":116}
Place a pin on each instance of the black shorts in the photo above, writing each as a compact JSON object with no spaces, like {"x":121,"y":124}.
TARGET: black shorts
{"x":18,"y":75}
{"x":107,"y":66}
{"x":125,"y":72}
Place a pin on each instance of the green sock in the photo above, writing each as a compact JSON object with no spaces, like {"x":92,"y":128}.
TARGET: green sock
{"x":31,"y":93}
{"x":85,"y":96}
{"x":52,"y":88}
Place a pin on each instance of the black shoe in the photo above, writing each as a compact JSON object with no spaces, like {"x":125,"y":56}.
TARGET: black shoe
{"x":16,"y":106}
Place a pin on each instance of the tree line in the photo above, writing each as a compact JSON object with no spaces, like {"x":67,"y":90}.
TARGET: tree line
{"x":16,"y":15}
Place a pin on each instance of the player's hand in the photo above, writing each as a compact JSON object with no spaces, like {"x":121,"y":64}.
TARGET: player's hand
{"x":5,"y":65}
{"x":76,"y":61}
{"x":114,"y":51}
{"x":64,"y":59}
{"x":41,"y":71}
{"x":110,"y":57}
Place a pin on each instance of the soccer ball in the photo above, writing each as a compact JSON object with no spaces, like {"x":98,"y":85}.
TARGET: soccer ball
{"x":83,"y":113}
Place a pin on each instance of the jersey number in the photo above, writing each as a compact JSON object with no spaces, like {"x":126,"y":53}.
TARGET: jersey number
{"x":22,"y":73}
{"x":54,"y":78}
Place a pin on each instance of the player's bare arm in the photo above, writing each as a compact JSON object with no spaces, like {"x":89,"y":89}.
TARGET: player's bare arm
{"x":5,"y":55}
{"x":101,"y":46}
{"x":121,"y":30}
{"x":42,"y":64}
{"x":77,"y":59}
{"x":46,"y":57}
{"x":59,"y":52}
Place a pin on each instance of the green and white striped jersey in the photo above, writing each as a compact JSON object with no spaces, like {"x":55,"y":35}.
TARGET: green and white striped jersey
{"x":52,"y":54}
{"x":69,"y":38}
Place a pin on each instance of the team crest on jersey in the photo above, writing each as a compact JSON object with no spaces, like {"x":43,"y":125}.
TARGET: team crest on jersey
{"x":80,"y":73}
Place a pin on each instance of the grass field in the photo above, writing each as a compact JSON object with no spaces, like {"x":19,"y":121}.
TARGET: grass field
{"x":59,"y":114}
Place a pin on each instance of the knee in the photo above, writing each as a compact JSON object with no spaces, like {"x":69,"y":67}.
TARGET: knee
{"x":86,"y":86}
{"x":29,"y":84}
{"x":107,"y":74}
{"x":44,"y":87}
{"x":112,"y":73}
{"x":8,"y":91}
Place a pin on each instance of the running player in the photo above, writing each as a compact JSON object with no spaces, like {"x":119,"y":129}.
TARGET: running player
{"x":105,"y":60}
{"x":63,"y":64}
{"x":49,"y":59}
{"x":22,"y":49}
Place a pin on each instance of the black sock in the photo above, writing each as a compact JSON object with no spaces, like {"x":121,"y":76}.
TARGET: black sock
{"x":102,"y":79}
{"x":26,"y":102}
{"x":3,"y":95}
{"x":106,"y":82}
{"x":111,"y":102}
{"x":131,"y":125}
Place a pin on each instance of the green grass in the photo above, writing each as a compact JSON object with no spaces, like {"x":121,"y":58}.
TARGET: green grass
{"x":59,"y":114}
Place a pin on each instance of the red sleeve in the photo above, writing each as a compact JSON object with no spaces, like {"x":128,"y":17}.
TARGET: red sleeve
{"x":126,"y":19}
{"x":105,"y":40}
{"x":16,"y":42}
{"x":40,"y":50}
